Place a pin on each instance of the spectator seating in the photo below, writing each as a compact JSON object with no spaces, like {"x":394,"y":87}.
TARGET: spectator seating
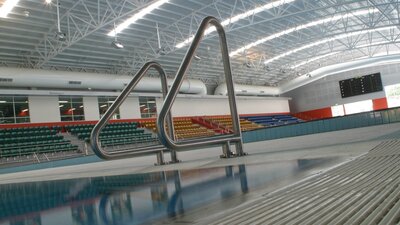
{"x":29,"y":140}
{"x":113,"y":134}
{"x":273,"y":120}
{"x":184,"y":128}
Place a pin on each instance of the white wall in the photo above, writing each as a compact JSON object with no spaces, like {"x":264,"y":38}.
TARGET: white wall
{"x":130,"y":108}
{"x":212,"y":105}
{"x":44,"y":109}
{"x":91,"y":108}
{"x":326,"y":91}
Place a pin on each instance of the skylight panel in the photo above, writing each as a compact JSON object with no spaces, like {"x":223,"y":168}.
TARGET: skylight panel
{"x":136,"y":17}
{"x":238,"y":17}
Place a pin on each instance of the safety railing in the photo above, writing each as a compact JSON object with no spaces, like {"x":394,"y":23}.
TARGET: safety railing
{"x":224,"y":140}
{"x":138,"y":151}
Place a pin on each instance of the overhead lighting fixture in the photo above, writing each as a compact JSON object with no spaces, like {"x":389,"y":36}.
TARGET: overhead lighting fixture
{"x":48,"y":1}
{"x":62,"y":101}
{"x":136,"y":17}
{"x":337,"y":37}
{"x":337,"y":52}
{"x":102,"y":106}
{"x":60,"y":106}
{"x":7,"y":6}
{"x":59,"y":34}
{"x":302,"y":26}
{"x":116,"y":44}
{"x":238,"y":17}
{"x":160,"y":50}
{"x":25,"y":110}
{"x":197,"y":57}
{"x":3,"y":101}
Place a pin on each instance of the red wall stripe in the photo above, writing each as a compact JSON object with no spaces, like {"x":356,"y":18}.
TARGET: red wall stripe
{"x":380,"y":103}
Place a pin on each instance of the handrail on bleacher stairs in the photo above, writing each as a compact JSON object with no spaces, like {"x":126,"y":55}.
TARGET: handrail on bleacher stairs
{"x":224,"y":140}
{"x":138,"y":151}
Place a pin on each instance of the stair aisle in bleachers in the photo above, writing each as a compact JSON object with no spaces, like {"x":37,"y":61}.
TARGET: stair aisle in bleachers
{"x":184,"y":128}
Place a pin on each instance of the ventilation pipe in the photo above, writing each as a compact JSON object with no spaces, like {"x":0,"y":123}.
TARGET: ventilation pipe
{"x":30,"y":78}
{"x":248,"y":90}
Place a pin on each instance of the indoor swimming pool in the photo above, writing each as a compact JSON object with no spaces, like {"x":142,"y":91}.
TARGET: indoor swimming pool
{"x":147,"y":197}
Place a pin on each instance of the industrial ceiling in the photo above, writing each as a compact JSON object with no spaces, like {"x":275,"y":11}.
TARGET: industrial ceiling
{"x":271,"y":42}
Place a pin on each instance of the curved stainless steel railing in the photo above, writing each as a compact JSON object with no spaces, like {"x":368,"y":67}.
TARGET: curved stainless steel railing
{"x":94,"y":136}
{"x":225,"y":140}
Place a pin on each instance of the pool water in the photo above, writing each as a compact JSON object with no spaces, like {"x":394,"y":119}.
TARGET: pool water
{"x":147,"y":197}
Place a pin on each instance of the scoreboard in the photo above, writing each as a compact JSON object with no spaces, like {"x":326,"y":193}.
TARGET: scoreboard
{"x":361,"y":85}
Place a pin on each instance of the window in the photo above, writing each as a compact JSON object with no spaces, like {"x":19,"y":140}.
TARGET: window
{"x":104,"y":104}
{"x":393,"y":95}
{"x":71,"y":108}
{"x":148,"y":107}
{"x":337,"y":110}
{"x":357,"y":107}
{"x":14,"y":109}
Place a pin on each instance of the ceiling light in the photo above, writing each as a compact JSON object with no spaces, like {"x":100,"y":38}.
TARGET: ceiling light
{"x":337,"y":52}
{"x":340,"y":36}
{"x":160,"y":50}
{"x":60,"y":106}
{"x":7,"y":6}
{"x":25,"y":110}
{"x":137,"y":17}
{"x":62,"y":101}
{"x":197,"y":57}
{"x":3,"y":101}
{"x":238,"y":17}
{"x":302,"y":26}
{"x":59,"y":35}
{"x":48,"y":1}
{"x":116,"y":44}
{"x":102,"y":106}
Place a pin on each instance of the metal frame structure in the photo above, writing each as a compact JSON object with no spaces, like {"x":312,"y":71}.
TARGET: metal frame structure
{"x":158,"y":149}
{"x":30,"y":42}
{"x":225,"y":140}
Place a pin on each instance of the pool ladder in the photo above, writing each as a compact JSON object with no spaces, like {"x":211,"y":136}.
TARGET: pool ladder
{"x":165,"y":121}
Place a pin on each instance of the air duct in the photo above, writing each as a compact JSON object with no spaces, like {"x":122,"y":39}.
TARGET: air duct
{"x":31,"y":78}
{"x":248,"y":90}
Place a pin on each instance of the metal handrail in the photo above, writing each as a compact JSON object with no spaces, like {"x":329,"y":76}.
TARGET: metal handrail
{"x":225,"y":140}
{"x":94,"y":136}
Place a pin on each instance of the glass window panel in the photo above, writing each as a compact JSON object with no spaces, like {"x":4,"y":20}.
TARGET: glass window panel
{"x":21,"y":99}
{"x":337,"y":110}
{"x":21,"y":109}
{"x":7,"y":109}
{"x":23,"y":120}
{"x":6,"y":99}
{"x":7,"y":120}
{"x":393,"y":95}
{"x":357,"y":107}
{"x":14,"y":107}
{"x":147,"y":106}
